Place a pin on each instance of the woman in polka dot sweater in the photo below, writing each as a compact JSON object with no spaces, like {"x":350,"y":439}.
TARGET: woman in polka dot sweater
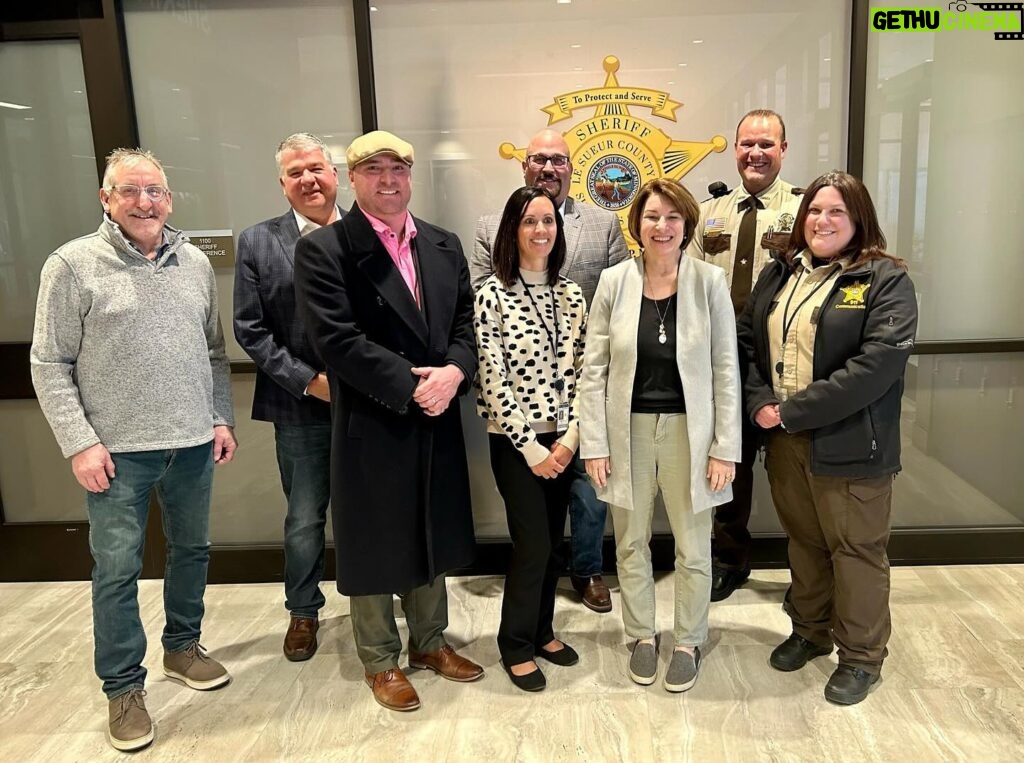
{"x":530,"y":324}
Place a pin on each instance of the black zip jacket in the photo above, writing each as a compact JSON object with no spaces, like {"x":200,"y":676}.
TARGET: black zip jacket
{"x":865,"y":334}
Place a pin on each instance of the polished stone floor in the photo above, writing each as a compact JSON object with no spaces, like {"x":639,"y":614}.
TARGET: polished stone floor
{"x":953,"y":686}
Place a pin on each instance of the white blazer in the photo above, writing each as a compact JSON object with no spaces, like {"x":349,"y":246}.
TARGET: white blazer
{"x":708,"y":364}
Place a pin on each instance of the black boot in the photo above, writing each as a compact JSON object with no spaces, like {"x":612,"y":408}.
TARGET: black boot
{"x":849,"y":685}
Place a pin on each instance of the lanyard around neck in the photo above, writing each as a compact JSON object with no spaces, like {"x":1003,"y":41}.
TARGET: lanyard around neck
{"x":558,"y":384}
{"x":787,"y":319}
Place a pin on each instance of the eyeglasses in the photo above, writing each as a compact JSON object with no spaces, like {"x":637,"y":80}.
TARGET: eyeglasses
{"x":134,"y":192}
{"x":538,"y":161}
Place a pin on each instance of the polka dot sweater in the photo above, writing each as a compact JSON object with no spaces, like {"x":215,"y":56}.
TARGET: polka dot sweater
{"x":518,"y":367}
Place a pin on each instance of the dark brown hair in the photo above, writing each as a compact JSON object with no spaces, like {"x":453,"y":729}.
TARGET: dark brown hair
{"x":677,"y":196}
{"x":766,"y":114}
{"x":868,"y":242}
{"x":505,"y":255}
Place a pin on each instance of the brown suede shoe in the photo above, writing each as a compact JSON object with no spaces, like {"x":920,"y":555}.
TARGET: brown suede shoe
{"x":594,"y":592}
{"x":300,"y":640}
{"x":194,"y":668}
{"x":392,"y":690}
{"x":446,"y":663}
{"x":129,"y":725}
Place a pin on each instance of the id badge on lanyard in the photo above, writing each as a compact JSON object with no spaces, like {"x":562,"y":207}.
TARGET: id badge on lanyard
{"x":562,"y":418}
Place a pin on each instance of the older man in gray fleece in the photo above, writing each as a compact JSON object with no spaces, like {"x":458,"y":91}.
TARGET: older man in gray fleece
{"x":129,"y":367}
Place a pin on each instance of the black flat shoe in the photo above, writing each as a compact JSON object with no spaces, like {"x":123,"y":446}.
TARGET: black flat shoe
{"x":564,"y":657}
{"x":534,"y":681}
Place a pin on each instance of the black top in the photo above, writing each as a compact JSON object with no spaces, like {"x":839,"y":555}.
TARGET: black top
{"x":657,"y":387}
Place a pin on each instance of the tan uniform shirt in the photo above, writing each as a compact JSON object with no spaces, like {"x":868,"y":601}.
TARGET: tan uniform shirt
{"x":798,"y":306}
{"x":716,"y":235}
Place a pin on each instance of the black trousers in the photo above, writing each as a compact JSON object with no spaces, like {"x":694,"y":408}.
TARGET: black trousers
{"x":730,"y":547}
{"x":536,"y":510}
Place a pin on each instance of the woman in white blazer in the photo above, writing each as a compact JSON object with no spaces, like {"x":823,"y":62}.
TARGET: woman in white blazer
{"x":660,"y":410}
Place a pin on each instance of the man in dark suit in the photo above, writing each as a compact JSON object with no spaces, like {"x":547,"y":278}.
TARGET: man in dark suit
{"x":291,"y":383}
{"x":387,"y":302}
{"x":593,"y":242}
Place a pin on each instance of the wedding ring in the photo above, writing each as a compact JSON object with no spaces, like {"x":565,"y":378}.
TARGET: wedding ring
{"x":433,"y":400}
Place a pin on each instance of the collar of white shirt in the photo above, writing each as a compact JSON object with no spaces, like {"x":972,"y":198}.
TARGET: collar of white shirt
{"x":308,"y":226}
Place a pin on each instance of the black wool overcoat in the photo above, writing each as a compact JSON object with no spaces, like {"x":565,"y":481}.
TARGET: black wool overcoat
{"x":400,"y":499}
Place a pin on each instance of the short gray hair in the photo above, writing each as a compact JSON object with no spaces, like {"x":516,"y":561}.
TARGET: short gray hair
{"x":302,"y":141}
{"x":129,"y":157}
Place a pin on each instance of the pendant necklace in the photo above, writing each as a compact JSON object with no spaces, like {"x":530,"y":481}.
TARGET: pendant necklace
{"x":662,"y":337}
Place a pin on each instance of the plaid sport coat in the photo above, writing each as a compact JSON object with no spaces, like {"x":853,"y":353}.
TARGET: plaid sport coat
{"x":268,"y":328}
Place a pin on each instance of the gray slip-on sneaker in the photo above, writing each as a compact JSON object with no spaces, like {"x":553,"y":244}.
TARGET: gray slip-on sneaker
{"x":682,"y":670}
{"x":643,"y":663}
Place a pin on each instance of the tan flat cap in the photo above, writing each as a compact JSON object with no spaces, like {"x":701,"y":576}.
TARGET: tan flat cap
{"x":377,"y":142}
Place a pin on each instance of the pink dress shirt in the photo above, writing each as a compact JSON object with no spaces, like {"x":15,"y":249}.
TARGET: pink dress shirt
{"x":400,"y":251}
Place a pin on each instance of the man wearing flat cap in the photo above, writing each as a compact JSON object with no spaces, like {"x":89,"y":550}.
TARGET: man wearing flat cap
{"x":387,"y":302}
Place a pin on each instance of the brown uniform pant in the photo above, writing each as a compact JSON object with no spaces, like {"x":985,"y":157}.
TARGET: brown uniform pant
{"x":838,"y":528}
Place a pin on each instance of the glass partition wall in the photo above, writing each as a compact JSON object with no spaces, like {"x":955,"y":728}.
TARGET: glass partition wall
{"x":475,"y":75}
{"x":459,"y":78}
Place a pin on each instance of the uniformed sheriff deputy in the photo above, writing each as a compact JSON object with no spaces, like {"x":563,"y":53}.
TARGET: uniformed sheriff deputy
{"x":739,"y":232}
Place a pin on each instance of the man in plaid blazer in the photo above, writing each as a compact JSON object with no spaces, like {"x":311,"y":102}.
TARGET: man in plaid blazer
{"x":291,"y":383}
{"x":593,"y":242}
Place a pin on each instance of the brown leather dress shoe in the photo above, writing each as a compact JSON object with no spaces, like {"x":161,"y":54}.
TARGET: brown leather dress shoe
{"x":392,"y":690}
{"x":300,"y":640}
{"x":446,"y":663}
{"x":594,"y":592}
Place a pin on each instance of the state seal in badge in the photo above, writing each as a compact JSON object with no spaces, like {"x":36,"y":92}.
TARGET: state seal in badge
{"x":613,"y":182}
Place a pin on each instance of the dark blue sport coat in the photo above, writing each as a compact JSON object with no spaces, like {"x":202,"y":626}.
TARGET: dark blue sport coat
{"x":268,"y":328}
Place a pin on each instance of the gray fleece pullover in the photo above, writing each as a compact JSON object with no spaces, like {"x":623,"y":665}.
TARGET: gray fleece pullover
{"x":127,"y":351}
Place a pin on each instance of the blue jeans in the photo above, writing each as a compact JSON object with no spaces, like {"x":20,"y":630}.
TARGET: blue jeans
{"x":117,"y":529}
{"x":586,"y":523}
{"x":304,"y":458}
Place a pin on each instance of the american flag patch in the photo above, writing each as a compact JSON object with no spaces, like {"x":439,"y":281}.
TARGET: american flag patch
{"x":714,"y":226}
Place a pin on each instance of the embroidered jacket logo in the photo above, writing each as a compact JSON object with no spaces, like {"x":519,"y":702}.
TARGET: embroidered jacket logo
{"x":853,"y":296}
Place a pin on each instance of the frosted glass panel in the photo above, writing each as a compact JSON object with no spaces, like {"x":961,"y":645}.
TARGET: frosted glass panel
{"x":48,"y":180}
{"x":244,"y":77}
{"x":474,"y":75}
{"x":944,"y":161}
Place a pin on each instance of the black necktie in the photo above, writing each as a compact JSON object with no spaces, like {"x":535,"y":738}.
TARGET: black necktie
{"x":743,"y":263}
